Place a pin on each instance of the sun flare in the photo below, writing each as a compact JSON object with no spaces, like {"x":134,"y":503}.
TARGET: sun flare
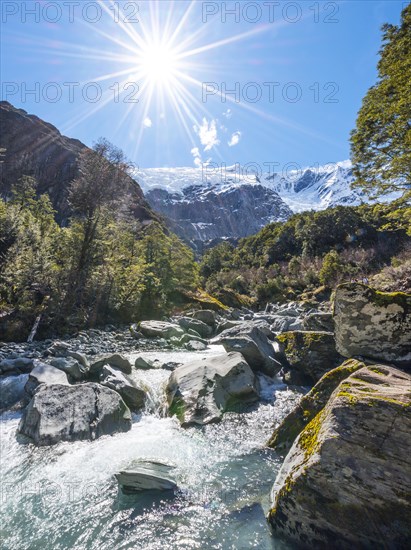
{"x":158,"y":63}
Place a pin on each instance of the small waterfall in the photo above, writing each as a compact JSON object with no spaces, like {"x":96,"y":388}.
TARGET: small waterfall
{"x":153,"y":382}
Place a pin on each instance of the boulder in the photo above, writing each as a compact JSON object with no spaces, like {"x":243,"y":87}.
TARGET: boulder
{"x":80,"y":357}
{"x":141,"y":363}
{"x":309,"y":355}
{"x":201,"y":391}
{"x":189,"y":338}
{"x":133,"y":396}
{"x":201,"y":328}
{"x":170,"y":365}
{"x":310,"y":405}
{"x":160,"y":329}
{"x":44,"y":374}
{"x":195,"y":345}
{"x":12,"y":392}
{"x":318,"y":321}
{"x":18,"y":365}
{"x":70,"y":366}
{"x":146,"y":476}
{"x":135,"y":332}
{"x":254,"y":345}
{"x":373,"y":324}
{"x":71,"y":413}
{"x":114,"y":360}
{"x":207,"y":316}
{"x":225,"y":324}
{"x":346,"y":481}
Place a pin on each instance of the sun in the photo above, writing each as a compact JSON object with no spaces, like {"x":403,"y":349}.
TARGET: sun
{"x":158,"y":63}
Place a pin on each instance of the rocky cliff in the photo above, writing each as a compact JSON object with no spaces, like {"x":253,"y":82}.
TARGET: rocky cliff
{"x":203,"y":213}
{"x":30,"y":146}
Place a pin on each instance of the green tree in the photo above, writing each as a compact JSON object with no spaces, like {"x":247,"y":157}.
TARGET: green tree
{"x":95,"y":196}
{"x":332,"y":269}
{"x":381,"y":141}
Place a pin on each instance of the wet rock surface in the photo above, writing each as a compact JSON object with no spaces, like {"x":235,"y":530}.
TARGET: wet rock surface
{"x":346,"y":481}
{"x":201,"y":391}
{"x":72,"y":413}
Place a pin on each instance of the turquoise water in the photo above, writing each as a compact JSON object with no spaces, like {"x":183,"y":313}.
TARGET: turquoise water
{"x":66,"y":496}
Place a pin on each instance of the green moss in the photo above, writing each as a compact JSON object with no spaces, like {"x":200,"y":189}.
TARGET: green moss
{"x":310,"y":405}
{"x":177,"y":408}
{"x":384,"y":299}
{"x":348,"y":396}
{"x":313,"y":337}
{"x":308,"y":440}
{"x":377,"y":371}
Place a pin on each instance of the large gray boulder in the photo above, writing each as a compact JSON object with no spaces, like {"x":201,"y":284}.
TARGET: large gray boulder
{"x":346,"y":481}
{"x":71,"y":413}
{"x":373,"y":324}
{"x":133,"y":396}
{"x":160,"y":329}
{"x":201,"y":328}
{"x":146,"y":476}
{"x":113,"y":360}
{"x":12,"y":392}
{"x":207,"y":316}
{"x":18,"y":365}
{"x":201,"y":391}
{"x":44,"y":374}
{"x":71,"y":366}
{"x":254,"y":345}
{"x":309,"y":355}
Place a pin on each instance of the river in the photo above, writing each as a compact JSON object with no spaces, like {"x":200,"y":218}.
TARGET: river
{"x":66,"y":496}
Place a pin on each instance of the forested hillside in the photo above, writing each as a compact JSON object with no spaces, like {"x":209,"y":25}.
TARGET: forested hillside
{"x":312,"y":250}
{"x":103,"y":265}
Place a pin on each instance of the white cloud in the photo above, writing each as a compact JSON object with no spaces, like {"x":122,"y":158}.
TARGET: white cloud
{"x":198,"y":161}
{"x":228,"y":113}
{"x":147,"y":123}
{"x":197,"y":157}
{"x":207,"y":133}
{"x":235,"y":138}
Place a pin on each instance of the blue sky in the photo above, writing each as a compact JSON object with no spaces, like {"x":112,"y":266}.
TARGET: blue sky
{"x":152,"y":77}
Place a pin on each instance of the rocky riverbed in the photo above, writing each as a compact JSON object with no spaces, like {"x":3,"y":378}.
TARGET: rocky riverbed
{"x":210,"y":409}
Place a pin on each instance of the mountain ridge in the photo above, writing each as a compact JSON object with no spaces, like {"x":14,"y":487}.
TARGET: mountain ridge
{"x":33,"y":147}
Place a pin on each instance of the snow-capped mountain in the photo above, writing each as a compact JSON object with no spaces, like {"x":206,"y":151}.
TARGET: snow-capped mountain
{"x":316,"y":188}
{"x":205,"y":212}
{"x":231,"y":202}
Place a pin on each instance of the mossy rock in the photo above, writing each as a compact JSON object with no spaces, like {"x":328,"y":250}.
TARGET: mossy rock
{"x":373,"y":324}
{"x":310,"y":405}
{"x":346,"y":481}
{"x":309,"y":355}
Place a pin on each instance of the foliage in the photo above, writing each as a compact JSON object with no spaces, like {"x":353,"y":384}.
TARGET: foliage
{"x":104,"y":266}
{"x":284,"y":261}
{"x":381,"y":142}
